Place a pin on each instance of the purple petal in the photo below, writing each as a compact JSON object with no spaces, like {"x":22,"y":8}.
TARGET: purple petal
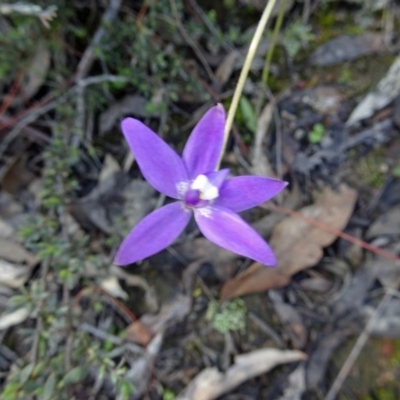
{"x":203,"y":148}
{"x":244,"y":192}
{"x":226,"y":229}
{"x":159,"y":164}
{"x":217,"y":178}
{"x":153,"y":233}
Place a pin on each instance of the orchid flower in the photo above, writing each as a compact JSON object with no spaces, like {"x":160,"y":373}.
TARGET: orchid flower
{"x":200,"y":190}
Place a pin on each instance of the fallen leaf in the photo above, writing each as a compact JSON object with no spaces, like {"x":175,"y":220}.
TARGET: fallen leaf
{"x":110,"y":167}
{"x":137,"y":281}
{"x":14,"y":252}
{"x":386,"y":224}
{"x":36,"y":71}
{"x":260,"y":162}
{"x":132,"y":104}
{"x":295,"y":385}
{"x":226,"y":68}
{"x":347,"y":48}
{"x":15,"y":175}
{"x":142,"y":369}
{"x":297,"y":243}
{"x":13,"y":318}
{"x":13,"y":276}
{"x":387,"y":90}
{"x":112,"y":286}
{"x":113,"y":198}
{"x":212,"y":383}
{"x":325,"y":99}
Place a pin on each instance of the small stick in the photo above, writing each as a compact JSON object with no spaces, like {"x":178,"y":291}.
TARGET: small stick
{"x":245,"y":70}
{"x":356,"y":350}
{"x":334,"y":231}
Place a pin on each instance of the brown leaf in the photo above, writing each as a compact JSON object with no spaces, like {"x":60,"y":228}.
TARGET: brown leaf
{"x":212,"y":383}
{"x":140,"y":333}
{"x":297,"y":244}
{"x":16,"y":175}
{"x":143,"y":330}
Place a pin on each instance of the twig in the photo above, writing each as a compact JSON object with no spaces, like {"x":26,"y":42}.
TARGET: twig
{"x":33,"y":116}
{"x":334,"y":231}
{"x":190,"y":41}
{"x":89,"y":55}
{"x":44,"y":14}
{"x":49,"y":104}
{"x":356,"y":350}
{"x":109,"y":338}
{"x":39,"y":323}
{"x":86,"y":63}
{"x":245,"y":70}
{"x":121,"y":307}
{"x":8,"y":99}
{"x":201,"y":14}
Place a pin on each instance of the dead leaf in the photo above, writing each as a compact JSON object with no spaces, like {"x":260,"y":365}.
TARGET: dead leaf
{"x":290,"y":318}
{"x":387,"y":90}
{"x":386,"y":224}
{"x":325,"y":99}
{"x":130,"y":105}
{"x":35,"y":73}
{"x":296,"y":243}
{"x":223,"y":261}
{"x":261,"y":165}
{"x":143,"y":331}
{"x":16,"y":176}
{"x":112,"y":286}
{"x":295,"y":385}
{"x":14,"y":252}
{"x":13,"y":318}
{"x":140,"y":333}
{"x":347,"y":48}
{"x":142,"y":369}
{"x":226,"y":68}
{"x":110,"y":167}
{"x":137,"y":281}
{"x":13,"y":276}
{"x":212,"y":383}
{"x":114,"y":198}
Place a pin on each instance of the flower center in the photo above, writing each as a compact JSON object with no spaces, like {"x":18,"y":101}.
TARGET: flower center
{"x":199,"y":192}
{"x":207,"y":190}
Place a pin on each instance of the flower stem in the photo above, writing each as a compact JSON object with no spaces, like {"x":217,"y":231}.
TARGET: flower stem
{"x":255,"y":41}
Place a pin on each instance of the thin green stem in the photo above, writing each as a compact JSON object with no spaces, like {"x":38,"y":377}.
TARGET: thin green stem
{"x":268,"y":58}
{"x":245,"y":70}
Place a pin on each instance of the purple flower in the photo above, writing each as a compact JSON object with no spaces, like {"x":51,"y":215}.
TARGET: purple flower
{"x":213,"y":199}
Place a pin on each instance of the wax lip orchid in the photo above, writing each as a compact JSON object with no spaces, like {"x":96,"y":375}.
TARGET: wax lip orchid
{"x":200,"y":190}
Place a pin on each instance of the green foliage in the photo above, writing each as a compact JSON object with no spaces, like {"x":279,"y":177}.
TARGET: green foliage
{"x":230,"y":316}
{"x":296,"y":37}
{"x":20,"y":41}
{"x":168,"y":394}
{"x":396,"y":171}
{"x":64,"y":256}
{"x":317,"y":133}
{"x":248,"y":114}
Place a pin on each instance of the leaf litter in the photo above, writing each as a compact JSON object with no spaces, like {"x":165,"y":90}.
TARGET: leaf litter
{"x":316,"y":314}
{"x":297,"y":243}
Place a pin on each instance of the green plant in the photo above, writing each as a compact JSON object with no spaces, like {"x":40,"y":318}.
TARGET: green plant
{"x":230,"y":316}
{"x":317,"y":133}
{"x":297,"y":36}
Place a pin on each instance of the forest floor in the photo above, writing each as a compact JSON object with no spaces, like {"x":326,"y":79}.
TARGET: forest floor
{"x":320,"y":109}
